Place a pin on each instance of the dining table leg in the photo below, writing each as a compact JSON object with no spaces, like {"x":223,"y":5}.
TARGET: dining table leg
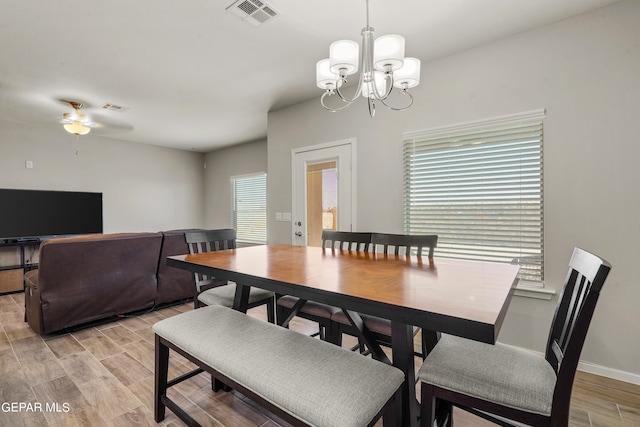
{"x":402,"y":347}
{"x":241,"y":300}
{"x":365,"y":336}
{"x":288,"y":315}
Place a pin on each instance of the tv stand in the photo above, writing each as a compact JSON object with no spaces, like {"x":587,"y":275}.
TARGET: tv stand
{"x":27,"y":239}
{"x":14,"y":263}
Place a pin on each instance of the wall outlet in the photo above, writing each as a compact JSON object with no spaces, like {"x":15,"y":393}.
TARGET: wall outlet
{"x":28,"y":164}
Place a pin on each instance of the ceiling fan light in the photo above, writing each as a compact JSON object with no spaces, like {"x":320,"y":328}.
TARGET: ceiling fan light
{"x":409,"y":75}
{"x":77,"y":128}
{"x":344,"y":54}
{"x":388,"y":51}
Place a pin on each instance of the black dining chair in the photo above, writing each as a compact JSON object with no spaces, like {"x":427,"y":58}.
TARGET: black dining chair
{"x":315,"y":311}
{"x":346,"y":240}
{"x":509,"y":385}
{"x":210,"y":291}
{"x":397,"y":245}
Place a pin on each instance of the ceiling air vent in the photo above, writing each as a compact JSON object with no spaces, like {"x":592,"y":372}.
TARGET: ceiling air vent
{"x":114,"y":107}
{"x":255,"y":12}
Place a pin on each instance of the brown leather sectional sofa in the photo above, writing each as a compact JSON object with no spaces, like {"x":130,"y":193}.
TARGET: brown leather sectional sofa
{"x":88,"y":278}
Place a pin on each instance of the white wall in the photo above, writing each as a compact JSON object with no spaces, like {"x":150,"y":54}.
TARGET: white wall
{"x":221,"y":165}
{"x":145,"y":188}
{"x":585,"y":71}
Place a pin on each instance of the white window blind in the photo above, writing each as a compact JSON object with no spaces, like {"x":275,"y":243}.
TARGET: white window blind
{"x":249,"y":208}
{"x":479,"y":188}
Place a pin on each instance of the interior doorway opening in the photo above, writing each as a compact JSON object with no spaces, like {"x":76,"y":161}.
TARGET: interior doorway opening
{"x":323,"y":190}
{"x":322,"y":200}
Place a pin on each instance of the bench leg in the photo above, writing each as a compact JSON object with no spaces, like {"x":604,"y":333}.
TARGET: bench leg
{"x":271,"y":311}
{"x":392,"y":415}
{"x":160,"y":387}
{"x":217,"y":385}
{"x":281,"y":315}
{"x":402,"y":347}
{"x":333,"y":334}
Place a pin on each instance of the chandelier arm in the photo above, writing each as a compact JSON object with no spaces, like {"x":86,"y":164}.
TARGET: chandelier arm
{"x":390,"y":81}
{"x":333,"y":110}
{"x":344,"y":98}
{"x":388,"y":76}
{"x":404,"y":92}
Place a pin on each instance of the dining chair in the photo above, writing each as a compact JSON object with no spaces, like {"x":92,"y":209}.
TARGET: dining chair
{"x":399,"y":245}
{"x":509,"y":385}
{"x":210,"y":291}
{"x":315,"y":311}
{"x":346,"y":240}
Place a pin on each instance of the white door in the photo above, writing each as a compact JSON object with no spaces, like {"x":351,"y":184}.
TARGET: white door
{"x":323,"y":191}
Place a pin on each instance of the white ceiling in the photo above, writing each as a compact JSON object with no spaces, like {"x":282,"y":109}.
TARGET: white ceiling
{"x":195,"y":77}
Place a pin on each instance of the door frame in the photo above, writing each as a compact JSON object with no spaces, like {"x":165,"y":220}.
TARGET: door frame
{"x":351,"y":142}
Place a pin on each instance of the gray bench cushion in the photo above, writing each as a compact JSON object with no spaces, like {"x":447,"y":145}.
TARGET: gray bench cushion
{"x":318,"y":382}
{"x":500,"y":373}
{"x":224,"y":295}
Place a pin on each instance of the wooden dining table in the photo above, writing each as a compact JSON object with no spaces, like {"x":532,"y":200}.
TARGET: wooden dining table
{"x":459,"y":297}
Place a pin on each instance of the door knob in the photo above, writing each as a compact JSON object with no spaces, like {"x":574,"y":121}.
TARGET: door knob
{"x":298,"y":233}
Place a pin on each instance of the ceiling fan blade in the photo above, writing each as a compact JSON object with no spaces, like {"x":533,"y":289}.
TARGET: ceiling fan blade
{"x":108,"y":125}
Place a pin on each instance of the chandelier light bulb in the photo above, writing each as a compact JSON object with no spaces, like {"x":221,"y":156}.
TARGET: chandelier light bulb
{"x":325,"y":79}
{"x":388,"y":51}
{"x":409,"y":75}
{"x":380,"y":82}
{"x":343,"y":55}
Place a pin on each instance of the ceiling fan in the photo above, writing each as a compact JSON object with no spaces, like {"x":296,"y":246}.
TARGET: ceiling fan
{"x":76,"y":122}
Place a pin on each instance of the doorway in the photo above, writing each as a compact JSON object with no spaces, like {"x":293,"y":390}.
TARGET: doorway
{"x":323,"y":191}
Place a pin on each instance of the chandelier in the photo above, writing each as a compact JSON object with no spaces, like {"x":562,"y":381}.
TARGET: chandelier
{"x":382,"y":67}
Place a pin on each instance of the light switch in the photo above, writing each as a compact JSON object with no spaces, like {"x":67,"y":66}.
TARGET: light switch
{"x":28,"y":164}
{"x":278,"y":216}
{"x":286,"y":216}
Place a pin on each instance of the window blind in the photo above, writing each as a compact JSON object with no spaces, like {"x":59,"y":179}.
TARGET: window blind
{"x":479,"y":188}
{"x":249,"y":208}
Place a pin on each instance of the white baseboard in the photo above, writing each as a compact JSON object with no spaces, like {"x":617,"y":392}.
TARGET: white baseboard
{"x":609,"y":372}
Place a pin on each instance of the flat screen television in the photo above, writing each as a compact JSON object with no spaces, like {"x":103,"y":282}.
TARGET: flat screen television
{"x":28,"y":214}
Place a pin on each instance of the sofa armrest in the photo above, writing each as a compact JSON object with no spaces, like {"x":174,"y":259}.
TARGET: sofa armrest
{"x":31,"y":279}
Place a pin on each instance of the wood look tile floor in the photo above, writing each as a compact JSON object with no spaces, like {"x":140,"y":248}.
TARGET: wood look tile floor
{"x":103,"y":376}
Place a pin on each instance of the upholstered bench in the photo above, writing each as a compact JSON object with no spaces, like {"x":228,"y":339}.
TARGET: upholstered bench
{"x":303,"y":380}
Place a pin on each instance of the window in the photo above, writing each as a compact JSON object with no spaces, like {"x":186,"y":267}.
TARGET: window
{"x":479,"y":188}
{"x":249,"y":207}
